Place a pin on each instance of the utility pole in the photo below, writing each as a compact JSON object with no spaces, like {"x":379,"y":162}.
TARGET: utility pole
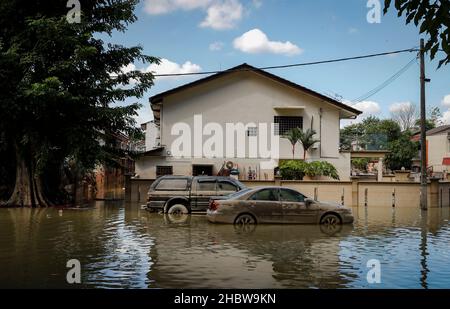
{"x":423,"y":133}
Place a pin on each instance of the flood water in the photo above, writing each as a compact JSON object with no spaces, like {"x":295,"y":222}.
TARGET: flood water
{"x":122,"y":246}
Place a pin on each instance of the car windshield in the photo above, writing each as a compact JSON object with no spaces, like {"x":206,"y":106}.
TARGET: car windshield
{"x":238,"y":194}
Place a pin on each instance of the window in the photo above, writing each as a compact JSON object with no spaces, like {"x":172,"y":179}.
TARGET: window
{"x":291,"y":196}
{"x":172,"y":184}
{"x":286,"y":123}
{"x":226,"y":186}
{"x":252,"y":131}
{"x":205,"y":170}
{"x":206,"y":186}
{"x":163,"y":170}
{"x":266,"y":195}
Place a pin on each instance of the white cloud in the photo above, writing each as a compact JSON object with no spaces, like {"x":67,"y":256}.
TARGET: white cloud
{"x":157,"y":7}
{"x":168,"y":67}
{"x":165,"y":67}
{"x":255,"y":41}
{"x":220,"y":14}
{"x":216,"y":46}
{"x":127,"y":69}
{"x":445,"y":117}
{"x":223,"y":15}
{"x":400,"y":106}
{"x":446,"y":101}
{"x":368,"y":108}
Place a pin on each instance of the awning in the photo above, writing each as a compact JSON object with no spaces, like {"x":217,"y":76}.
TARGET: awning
{"x":446,"y":161}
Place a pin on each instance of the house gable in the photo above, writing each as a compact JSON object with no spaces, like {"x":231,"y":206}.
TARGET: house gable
{"x":156,"y":101}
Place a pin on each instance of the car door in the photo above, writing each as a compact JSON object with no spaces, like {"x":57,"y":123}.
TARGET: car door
{"x":266,"y":206}
{"x":295,"y":209}
{"x":225,"y":187}
{"x":201,"y":192}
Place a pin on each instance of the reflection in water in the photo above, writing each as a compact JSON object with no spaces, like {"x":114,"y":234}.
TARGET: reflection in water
{"x":423,"y":249}
{"x":122,"y":246}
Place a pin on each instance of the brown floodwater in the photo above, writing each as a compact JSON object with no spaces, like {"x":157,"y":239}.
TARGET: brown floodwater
{"x":121,"y":246}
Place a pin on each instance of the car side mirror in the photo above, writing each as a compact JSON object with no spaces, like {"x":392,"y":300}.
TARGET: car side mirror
{"x":309,"y":201}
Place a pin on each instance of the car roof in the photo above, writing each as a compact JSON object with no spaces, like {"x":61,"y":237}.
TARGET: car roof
{"x":214,"y":177}
{"x":173,"y":177}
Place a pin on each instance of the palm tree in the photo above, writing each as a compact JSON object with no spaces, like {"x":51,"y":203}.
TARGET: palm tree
{"x":293,"y":135}
{"x":306,"y":138}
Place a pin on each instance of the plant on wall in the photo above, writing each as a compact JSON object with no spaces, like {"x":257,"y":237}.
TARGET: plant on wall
{"x":296,"y":169}
{"x":307,"y":140}
{"x":293,"y":135}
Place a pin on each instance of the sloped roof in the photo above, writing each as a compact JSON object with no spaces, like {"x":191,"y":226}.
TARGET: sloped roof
{"x":438,"y":130}
{"x":246,"y":67}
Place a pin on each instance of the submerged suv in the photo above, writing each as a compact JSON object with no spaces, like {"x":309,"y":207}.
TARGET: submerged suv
{"x":184,"y":194}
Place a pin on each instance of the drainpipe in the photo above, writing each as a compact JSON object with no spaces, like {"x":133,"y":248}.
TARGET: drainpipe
{"x":320,"y":132}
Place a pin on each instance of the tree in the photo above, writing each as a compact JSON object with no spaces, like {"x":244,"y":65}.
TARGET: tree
{"x":435,"y":116}
{"x":370,"y":134}
{"x":429,"y":124}
{"x":434,"y":20}
{"x":376,"y":134}
{"x":402,"y":151}
{"x":60,"y":82}
{"x":293,"y":135}
{"x":405,"y":115}
{"x":306,"y":138}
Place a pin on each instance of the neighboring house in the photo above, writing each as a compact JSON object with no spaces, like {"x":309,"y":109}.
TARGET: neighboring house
{"x":152,"y":138}
{"x":109,"y":180}
{"x":438,"y":150}
{"x":252,"y":97}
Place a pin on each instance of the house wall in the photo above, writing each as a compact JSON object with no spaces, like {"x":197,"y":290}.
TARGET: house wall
{"x":438,"y":148}
{"x":151,"y":136}
{"x":246,"y":98}
{"x":145,"y":167}
{"x":350,"y":193}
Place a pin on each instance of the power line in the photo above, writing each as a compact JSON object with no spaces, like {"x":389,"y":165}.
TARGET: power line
{"x":387,"y":82}
{"x":292,"y":65}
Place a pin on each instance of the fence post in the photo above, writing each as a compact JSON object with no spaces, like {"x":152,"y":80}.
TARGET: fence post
{"x":366,"y":197}
{"x":393,"y":197}
{"x":434,"y":193}
{"x":355,"y":193}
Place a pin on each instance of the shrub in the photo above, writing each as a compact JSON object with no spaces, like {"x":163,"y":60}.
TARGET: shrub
{"x":293,"y":169}
{"x":296,"y":170}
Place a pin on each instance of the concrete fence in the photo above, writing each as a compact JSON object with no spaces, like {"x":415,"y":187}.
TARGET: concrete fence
{"x":349,"y":193}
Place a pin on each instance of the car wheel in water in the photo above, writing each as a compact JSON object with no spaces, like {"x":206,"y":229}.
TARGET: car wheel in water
{"x":245,"y":219}
{"x":177,"y":214}
{"x":330,"y":230}
{"x":178,"y":209}
{"x":330,"y":219}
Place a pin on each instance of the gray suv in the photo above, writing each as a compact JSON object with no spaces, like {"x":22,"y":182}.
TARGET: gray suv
{"x":184,"y":194}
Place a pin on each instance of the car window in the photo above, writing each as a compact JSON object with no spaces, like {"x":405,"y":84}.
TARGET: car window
{"x":237,"y":194}
{"x":206,"y":186}
{"x":172,"y":184}
{"x":265,"y":195}
{"x":291,"y":196}
{"x":226,"y":186}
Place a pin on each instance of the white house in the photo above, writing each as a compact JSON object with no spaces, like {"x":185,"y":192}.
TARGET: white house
{"x":152,"y":136}
{"x":256,"y":100}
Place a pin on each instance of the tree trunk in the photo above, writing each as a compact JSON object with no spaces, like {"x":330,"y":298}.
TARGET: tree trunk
{"x":28,"y":189}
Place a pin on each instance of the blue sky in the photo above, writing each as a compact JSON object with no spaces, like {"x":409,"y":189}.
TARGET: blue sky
{"x":204,"y":35}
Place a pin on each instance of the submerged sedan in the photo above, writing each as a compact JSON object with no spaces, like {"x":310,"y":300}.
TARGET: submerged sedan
{"x":276,"y":205}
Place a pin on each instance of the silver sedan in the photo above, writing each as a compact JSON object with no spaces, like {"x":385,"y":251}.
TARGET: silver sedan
{"x":276,"y":205}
